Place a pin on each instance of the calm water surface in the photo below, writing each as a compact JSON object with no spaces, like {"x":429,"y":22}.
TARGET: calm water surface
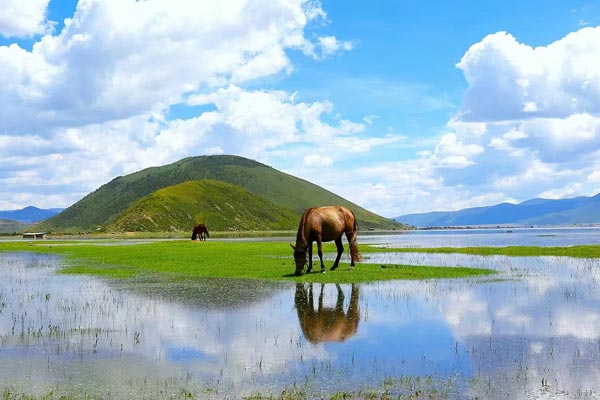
{"x":487,"y":237}
{"x":531,"y":331}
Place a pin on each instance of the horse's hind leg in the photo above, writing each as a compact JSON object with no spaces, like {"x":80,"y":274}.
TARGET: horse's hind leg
{"x":309,"y":258}
{"x":339,"y":304}
{"x":320,"y":249}
{"x":340,"y":251}
{"x":320,"y":309}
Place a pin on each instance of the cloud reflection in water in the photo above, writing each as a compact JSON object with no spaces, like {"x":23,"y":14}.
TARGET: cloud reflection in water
{"x":498,"y":337}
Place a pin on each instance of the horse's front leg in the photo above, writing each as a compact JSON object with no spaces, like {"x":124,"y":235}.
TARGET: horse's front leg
{"x":340,"y":251}
{"x":320,"y":249}
{"x":309,"y":258}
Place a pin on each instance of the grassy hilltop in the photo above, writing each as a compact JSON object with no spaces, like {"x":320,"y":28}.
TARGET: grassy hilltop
{"x":221,"y":205}
{"x":105,"y":207}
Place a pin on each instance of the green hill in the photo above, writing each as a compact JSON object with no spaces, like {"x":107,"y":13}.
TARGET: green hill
{"x":105,"y":205}
{"x":220,"y":205}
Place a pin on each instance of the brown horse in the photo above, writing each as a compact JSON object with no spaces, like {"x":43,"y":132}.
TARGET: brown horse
{"x":324,"y":224}
{"x":326,"y":324}
{"x":200,"y":232}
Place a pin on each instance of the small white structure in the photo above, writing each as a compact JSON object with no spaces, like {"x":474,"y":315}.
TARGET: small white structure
{"x":34,"y":235}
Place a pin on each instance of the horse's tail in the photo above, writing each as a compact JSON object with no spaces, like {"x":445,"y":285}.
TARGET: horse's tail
{"x":354,"y":254}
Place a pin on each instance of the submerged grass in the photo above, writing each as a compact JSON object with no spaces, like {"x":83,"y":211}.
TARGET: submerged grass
{"x":221,"y":259}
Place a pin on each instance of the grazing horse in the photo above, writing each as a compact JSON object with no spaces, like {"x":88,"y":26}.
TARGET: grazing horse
{"x":324,"y":224}
{"x":200,"y":232}
{"x":326,"y":324}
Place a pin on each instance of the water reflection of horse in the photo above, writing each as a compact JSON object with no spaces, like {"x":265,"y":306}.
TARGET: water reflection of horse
{"x":200,"y":232}
{"x":324,"y":224}
{"x":326,"y":324}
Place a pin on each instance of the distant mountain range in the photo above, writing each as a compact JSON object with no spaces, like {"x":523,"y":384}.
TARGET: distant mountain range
{"x":578,"y":210}
{"x":29,"y":215}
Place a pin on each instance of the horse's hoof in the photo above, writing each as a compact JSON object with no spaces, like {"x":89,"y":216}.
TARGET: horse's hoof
{"x":332,"y":268}
{"x":323,"y":271}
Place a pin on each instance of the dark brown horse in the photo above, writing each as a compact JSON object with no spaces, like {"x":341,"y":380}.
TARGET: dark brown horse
{"x":200,"y":232}
{"x":326,"y":324}
{"x":324,"y":224}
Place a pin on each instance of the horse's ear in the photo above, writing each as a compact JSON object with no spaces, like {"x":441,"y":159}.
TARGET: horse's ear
{"x":292,"y":246}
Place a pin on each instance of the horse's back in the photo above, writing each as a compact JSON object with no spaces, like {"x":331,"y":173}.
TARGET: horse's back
{"x":329,"y":221}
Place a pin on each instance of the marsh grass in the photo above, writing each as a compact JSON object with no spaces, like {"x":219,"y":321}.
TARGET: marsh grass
{"x":42,"y":315}
{"x":175,"y":260}
{"x":391,"y":388}
{"x":582,"y":251}
{"x":402,"y":388}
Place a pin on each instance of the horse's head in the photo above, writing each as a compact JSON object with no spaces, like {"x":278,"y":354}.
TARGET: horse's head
{"x":299,"y":258}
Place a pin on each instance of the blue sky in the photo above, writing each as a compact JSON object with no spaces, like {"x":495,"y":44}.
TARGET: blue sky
{"x":398,"y":106}
{"x":402,"y":68}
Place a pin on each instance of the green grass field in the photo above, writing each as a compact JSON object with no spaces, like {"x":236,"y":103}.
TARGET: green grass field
{"x":225,"y":259}
{"x":183,"y":259}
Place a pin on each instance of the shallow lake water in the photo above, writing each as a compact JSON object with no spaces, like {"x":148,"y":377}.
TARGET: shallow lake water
{"x":530,"y":331}
{"x":561,"y":236}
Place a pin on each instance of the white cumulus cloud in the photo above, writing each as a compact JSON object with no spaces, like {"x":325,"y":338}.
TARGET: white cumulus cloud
{"x":24,"y":18}
{"x":509,"y":80}
{"x":528,"y":126}
{"x":330,"y":45}
{"x":91,"y":102}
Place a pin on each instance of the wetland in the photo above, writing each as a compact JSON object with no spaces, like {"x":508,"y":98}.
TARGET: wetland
{"x":529,"y":330}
